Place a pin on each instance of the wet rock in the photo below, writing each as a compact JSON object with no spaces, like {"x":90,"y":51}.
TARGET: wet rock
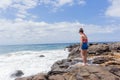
{"x":18,"y":73}
{"x":42,"y":56}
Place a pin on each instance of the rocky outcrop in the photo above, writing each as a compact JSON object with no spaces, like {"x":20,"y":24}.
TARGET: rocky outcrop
{"x":94,"y":49}
{"x":79,"y":72}
{"x":104,"y":64}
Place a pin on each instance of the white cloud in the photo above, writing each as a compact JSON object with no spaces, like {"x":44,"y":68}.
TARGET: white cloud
{"x":81,"y":2}
{"x":56,"y":4}
{"x":5,"y":3}
{"x":63,"y":2}
{"x":22,"y":6}
{"x":114,"y":9}
{"x":21,"y":31}
{"x":93,"y":29}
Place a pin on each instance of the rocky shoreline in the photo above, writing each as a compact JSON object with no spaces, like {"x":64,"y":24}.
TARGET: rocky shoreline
{"x":103,"y":59}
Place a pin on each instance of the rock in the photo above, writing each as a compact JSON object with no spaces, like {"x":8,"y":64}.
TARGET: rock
{"x":90,"y":72}
{"x":25,"y":78}
{"x":112,"y":63}
{"x":90,"y":44}
{"x":75,"y":53}
{"x":18,"y":73}
{"x":94,"y":48}
{"x":101,"y":59}
{"x":94,"y":77}
{"x":40,"y":76}
{"x":41,"y":56}
{"x":114,"y":47}
{"x":79,"y":72}
{"x":98,"y":49}
{"x":56,"y":77}
{"x":78,"y":76}
{"x":63,"y":65}
{"x":71,"y":47}
{"x":114,"y":69}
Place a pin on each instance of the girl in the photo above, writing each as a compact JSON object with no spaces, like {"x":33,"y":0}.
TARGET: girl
{"x":84,"y":45}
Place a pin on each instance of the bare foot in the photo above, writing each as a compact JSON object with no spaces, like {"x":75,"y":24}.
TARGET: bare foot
{"x":85,"y":64}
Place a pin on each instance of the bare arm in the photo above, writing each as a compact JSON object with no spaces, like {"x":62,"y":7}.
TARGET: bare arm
{"x":81,"y":40}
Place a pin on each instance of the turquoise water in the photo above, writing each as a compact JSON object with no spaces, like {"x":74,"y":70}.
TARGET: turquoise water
{"x":32,"y":47}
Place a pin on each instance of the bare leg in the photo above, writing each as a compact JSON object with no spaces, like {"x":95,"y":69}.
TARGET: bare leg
{"x":84,"y":56}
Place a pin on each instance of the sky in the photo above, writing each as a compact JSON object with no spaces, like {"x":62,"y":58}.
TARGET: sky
{"x":58,"y":21}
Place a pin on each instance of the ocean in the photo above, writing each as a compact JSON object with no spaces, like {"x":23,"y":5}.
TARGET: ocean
{"x":27,"y":58}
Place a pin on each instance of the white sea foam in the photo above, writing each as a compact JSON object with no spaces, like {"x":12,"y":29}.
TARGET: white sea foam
{"x":29,"y":62}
